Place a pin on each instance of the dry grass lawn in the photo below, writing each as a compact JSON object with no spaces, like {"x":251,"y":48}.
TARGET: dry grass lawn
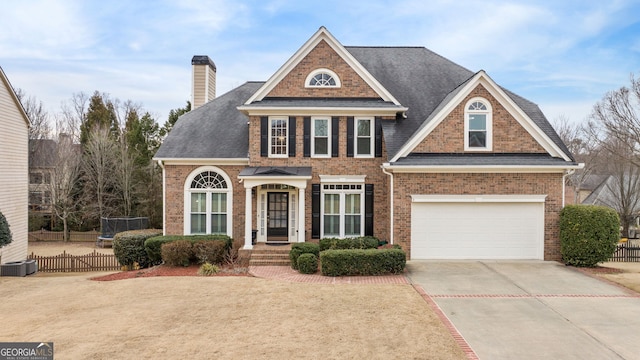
{"x":220,"y":318}
{"x":629,"y":278}
{"x":52,"y":248}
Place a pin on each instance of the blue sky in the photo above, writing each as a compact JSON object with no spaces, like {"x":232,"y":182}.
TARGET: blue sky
{"x":563,"y":55}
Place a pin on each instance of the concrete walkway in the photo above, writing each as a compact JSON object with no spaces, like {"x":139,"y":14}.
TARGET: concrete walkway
{"x":532,"y":309}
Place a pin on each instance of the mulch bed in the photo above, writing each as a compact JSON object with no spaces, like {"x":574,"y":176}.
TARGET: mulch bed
{"x":164,"y":270}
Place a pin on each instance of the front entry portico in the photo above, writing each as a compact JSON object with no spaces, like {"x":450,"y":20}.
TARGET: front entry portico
{"x":280,"y":203}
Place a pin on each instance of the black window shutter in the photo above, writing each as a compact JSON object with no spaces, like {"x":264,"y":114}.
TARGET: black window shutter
{"x":307,"y":137}
{"x":368,"y":210}
{"x":335,"y":131}
{"x":315,"y":211}
{"x":378,"y":136}
{"x":292,"y":136}
{"x":350,"y":136}
{"x":264,"y":136}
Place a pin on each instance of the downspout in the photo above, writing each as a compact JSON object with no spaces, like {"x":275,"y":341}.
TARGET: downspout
{"x":164,"y":200}
{"x":390,"y":205}
{"x":564,"y":185}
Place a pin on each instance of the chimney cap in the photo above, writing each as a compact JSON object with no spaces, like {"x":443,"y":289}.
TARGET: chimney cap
{"x":203,"y":60}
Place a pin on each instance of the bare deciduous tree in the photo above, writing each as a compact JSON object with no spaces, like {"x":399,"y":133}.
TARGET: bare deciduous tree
{"x":64,"y":177}
{"x":98,"y":168}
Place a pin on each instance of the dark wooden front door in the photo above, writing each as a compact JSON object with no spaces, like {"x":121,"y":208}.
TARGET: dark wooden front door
{"x":277,"y":216}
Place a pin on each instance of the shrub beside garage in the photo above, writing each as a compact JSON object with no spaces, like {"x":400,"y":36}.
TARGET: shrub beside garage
{"x":588,"y":234}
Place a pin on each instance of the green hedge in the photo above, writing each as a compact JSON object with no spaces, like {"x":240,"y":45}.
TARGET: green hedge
{"x":362,"y":262}
{"x":588,"y":234}
{"x":128,"y":247}
{"x":153,"y":245}
{"x":364,"y":242}
{"x":308,"y":263}
{"x":298,"y":249}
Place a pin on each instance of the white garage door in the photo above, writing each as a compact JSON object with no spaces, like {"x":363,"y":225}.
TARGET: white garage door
{"x":489,"y":227}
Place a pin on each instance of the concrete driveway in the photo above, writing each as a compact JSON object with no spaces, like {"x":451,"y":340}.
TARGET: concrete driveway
{"x":532,"y":309}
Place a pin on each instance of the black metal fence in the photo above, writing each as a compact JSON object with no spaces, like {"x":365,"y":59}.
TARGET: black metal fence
{"x":626,"y":252}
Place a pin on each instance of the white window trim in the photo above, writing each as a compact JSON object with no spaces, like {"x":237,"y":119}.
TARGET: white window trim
{"x":315,"y":72}
{"x":313,"y":137}
{"x":372,"y":137}
{"x":342,"y":210}
{"x":489,"y":113}
{"x":187,"y":199}
{"x":286,"y":121}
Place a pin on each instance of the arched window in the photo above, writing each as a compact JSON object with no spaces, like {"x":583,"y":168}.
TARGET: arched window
{"x":208,"y":199}
{"x":322,"y":78}
{"x":478,"y":125}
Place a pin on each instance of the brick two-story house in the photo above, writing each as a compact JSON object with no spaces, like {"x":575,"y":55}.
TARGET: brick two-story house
{"x":395,"y":142}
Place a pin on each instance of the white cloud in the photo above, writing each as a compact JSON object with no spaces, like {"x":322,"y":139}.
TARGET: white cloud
{"x":43,"y":29}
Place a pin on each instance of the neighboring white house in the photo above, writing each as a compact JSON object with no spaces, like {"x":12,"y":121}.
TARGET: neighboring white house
{"x":14,"y":170}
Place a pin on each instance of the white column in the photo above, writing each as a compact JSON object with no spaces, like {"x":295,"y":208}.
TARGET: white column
{"x":301,"y":222}
{"x":247,"y":220}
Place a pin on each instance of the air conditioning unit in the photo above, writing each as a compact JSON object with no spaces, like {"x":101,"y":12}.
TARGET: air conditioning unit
{"x":16,"y":268}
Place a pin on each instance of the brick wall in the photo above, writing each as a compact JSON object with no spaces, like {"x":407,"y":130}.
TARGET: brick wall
{"x":406,"y":185}
{"x":176,"y":176}
{"x":508,"y":135}
{"x":322,"y":56}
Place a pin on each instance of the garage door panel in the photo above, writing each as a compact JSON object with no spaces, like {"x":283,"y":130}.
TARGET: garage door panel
{"x":477,"y":230}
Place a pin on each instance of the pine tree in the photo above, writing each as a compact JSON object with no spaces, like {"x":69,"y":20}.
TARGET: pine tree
{"x":5,"y":232}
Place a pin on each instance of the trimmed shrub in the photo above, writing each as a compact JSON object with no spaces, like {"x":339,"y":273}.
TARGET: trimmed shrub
{"x":128,"y":247}
{"x":364,"y":242}
{"x":308,"y":263}
{"x":588,"y":234}
{"x":5,"y":232}
{"x":153,"y":246}
{"x":209,"y":251}
{"x":298,"y":249}
{"x":177,"y":253}
{"x":362,"y":262}
{"x":208,"y":269}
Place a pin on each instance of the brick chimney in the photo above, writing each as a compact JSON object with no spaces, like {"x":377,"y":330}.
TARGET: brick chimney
{"x":203,"y":80}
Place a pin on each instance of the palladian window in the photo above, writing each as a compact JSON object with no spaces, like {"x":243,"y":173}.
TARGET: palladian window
{"x":208,"y":204}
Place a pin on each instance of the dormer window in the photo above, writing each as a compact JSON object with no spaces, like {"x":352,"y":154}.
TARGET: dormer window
{"x":477,"y":125}
{"x":321,"y":78}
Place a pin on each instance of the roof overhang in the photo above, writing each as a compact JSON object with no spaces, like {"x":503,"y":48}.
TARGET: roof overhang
{"x":331,"y":111}
{"x":480,"y":168}
{"x":292,"y":176}
{"x":203,"y":161}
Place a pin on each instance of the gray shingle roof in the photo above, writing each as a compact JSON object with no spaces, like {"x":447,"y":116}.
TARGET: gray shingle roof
{"x":323,"y":102}
{"x":491,"y":159}
{"x":420,"y":79}
{"x":214,"y":130}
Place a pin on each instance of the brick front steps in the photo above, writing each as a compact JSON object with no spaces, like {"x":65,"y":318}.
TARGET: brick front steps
{"x":270,"y":255}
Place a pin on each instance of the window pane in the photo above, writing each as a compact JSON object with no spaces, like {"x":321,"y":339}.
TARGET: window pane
{"x":198,"y":223}
{"x":352,"y":225}
{"x":218,"y":224}
{"x":478,"y":122}
{"x":331,"y":225}
{"x":321,"y":146}
{"x":331,"y":203}
{"x":198,"y":202}
{"x":352,"y":203}
{"x":364,"y":146}
{"x":218,"y":203}
{"x":279,"y":137}
{"x":321,"y":127}
{"x":364,"y":127}
{"x":477,"y":139}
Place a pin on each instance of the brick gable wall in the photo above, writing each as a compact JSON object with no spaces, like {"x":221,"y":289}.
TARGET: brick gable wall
{"x":406,"y":185}
{"x":508,"y":135}
{"x":323,"y":56}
